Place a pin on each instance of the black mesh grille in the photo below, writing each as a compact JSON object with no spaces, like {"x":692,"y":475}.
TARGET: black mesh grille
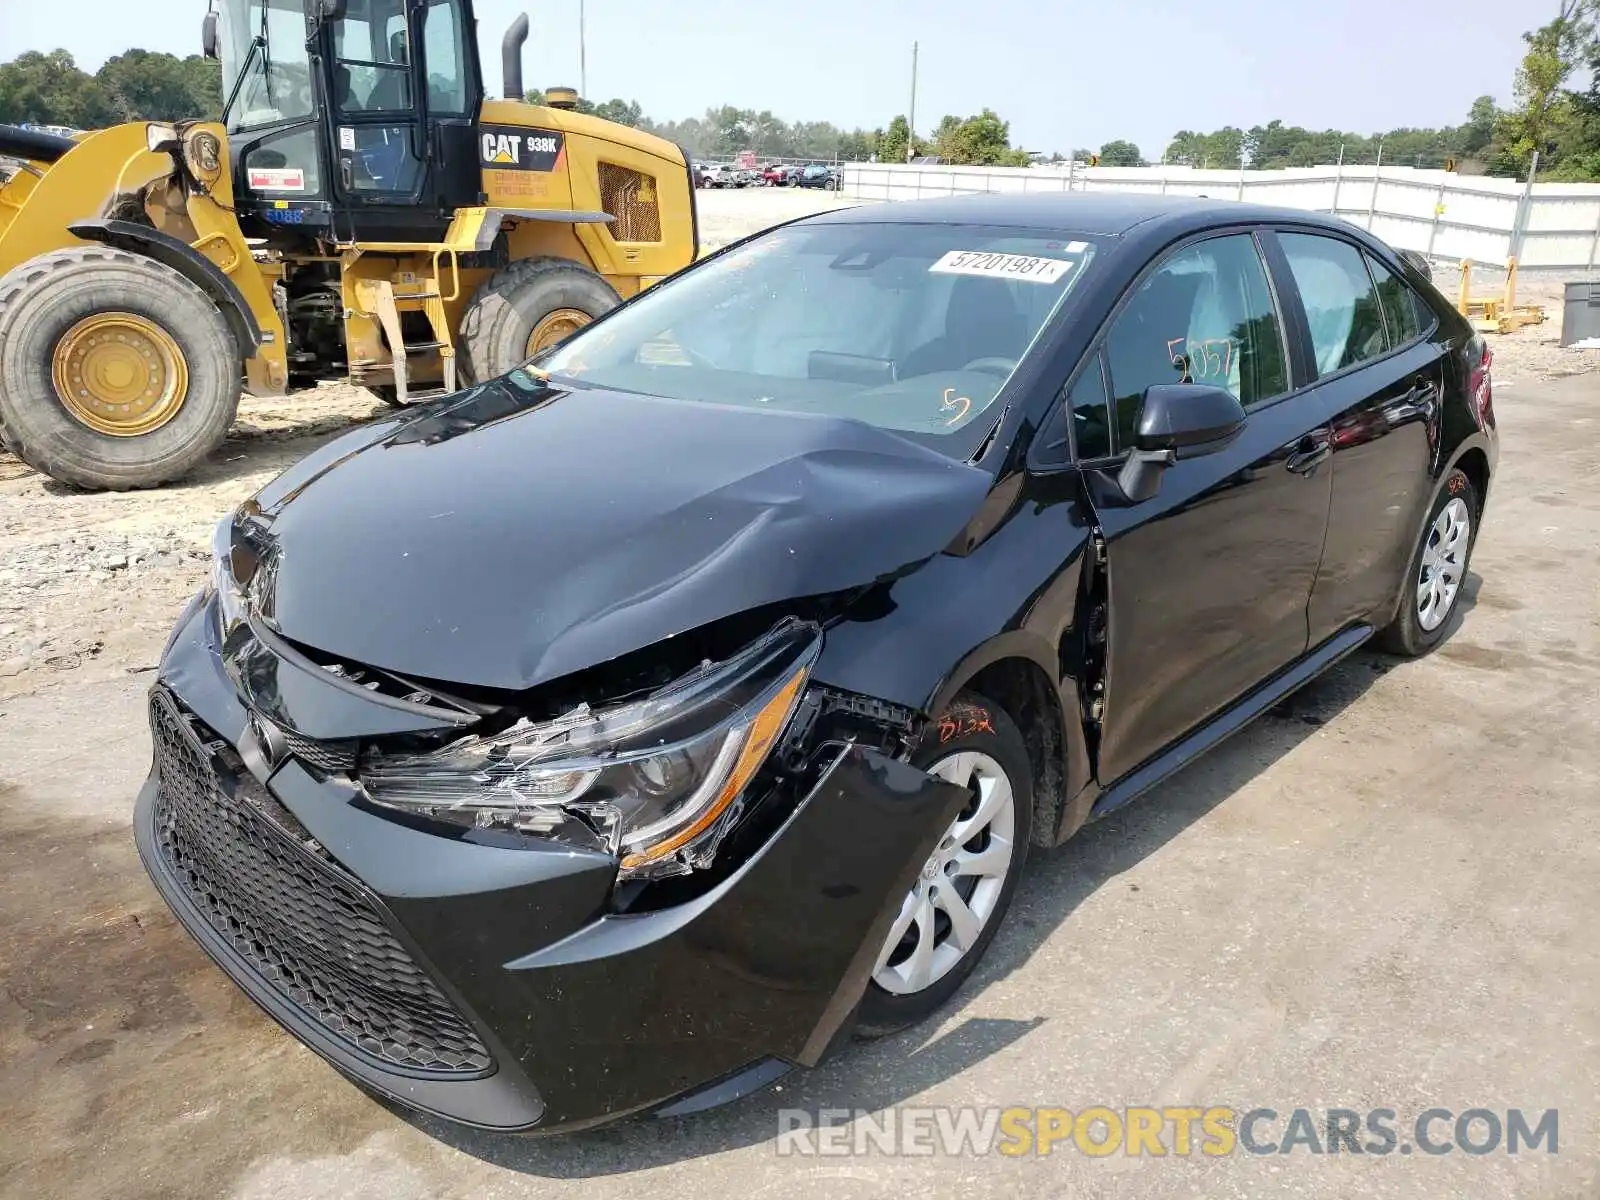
{"x":324,"y":756}
{"x":296,"y":920}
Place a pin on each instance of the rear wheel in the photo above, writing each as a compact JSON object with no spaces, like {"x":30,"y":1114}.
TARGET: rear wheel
{"x":115,"y":371}
{"x":951,"y":914}
{"x":1437,"y":570}
{"x":527,"y":307}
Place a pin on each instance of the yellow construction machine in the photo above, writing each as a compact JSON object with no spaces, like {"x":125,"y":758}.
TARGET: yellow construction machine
{"x":360,"y":212}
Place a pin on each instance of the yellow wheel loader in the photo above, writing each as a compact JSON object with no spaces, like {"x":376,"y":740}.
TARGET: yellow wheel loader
{"x":361,"y":212}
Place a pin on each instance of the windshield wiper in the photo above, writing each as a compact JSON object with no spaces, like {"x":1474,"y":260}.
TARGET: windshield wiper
{"x":258,"y":45}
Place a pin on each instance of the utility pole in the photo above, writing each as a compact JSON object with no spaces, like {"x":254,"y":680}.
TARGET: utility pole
{"x":583,"y":56}
{"x":1377,"y":182}
{"x":911,"y":118}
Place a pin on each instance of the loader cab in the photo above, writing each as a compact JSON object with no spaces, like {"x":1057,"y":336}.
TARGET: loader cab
{"x":351,"y":119}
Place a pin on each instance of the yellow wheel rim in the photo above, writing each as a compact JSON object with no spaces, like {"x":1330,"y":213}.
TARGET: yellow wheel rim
{"x":557,"y":325}
{"x":120,"y":374}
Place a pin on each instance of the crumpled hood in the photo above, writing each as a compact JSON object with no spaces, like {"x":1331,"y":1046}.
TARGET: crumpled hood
{"x":522,"y":532}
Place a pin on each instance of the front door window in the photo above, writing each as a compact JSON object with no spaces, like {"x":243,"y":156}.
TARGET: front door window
{"x":1205,"y":315}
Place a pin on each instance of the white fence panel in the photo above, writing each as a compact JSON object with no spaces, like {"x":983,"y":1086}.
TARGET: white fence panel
{"x":1480,"y":245}
{"x":1435,"y":212}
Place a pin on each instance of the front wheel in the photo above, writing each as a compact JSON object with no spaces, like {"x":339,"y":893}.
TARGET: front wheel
{"x":951,"y":914}
{"x":115,"y":370}
{"x":1437,"y":570}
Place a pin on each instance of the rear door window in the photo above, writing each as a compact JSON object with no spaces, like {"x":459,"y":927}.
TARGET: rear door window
{"x":1340,"y":300}
{"x":1402,"y":307}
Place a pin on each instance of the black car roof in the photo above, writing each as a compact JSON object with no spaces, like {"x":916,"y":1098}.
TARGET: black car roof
{"x":1103,"y":213}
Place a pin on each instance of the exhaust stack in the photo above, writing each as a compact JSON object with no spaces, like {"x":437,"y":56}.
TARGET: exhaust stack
{"x":511,"y":58}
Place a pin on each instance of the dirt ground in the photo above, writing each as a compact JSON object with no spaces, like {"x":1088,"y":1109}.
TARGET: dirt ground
{"x":1382,"y":895}
{"x":89,"y":583}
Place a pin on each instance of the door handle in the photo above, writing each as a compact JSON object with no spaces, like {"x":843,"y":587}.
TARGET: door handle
{"x":1424,"y":394}
{"x":1308,"y":455}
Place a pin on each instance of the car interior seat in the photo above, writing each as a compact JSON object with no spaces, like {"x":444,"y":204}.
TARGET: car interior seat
{"x":1146,"y":338}
{"x":981,"y":321}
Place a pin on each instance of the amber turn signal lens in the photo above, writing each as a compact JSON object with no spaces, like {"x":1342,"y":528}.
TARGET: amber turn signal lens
{"x":758,"y":743}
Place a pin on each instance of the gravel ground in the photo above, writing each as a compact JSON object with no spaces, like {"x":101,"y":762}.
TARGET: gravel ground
{"x":89,"y":583}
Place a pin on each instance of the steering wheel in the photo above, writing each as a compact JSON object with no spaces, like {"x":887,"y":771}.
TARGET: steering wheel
{"x":993,"y":365}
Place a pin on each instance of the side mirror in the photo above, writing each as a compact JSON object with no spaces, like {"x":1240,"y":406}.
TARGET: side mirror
{"x":208,"y":35}
{"x":1188,"y":419}
{"x":1177,"y":421}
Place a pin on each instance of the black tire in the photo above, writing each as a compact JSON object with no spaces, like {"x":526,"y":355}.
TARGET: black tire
{"x":1407,"y":635}
{"x":502,"y":315}
{"x":44,"y":298}
{"x":972,"y":723}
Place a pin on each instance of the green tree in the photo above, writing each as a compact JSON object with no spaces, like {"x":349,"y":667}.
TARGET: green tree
{"x":1478,"y":132}
{"x":49,"y":89}
{"x":1542,"y":109}
{"x":1120,"y":154}
{"x":146,"y":86}
{"x":623,"y":112}
{"x":983,"y":140}
{"x":1219,"y":150}
{"x":892,"y":146}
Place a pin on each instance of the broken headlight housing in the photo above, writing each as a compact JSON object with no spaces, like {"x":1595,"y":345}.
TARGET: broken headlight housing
{"x":655,"y":781}
{"x":224,"y":581}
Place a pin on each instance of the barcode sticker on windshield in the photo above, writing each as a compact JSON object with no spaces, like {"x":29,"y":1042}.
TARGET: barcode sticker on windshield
{"x":1006,"y":266}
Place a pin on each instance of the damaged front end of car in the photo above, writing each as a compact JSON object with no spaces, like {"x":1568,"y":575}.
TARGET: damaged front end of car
{"x":655,"y":884}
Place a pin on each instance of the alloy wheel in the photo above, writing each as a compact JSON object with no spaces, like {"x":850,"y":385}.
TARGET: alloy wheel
{"x":959,"y":888}
{"x":1444,"y":563}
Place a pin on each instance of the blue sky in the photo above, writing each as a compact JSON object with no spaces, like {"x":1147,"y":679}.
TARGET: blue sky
{"x":1063,"y":74}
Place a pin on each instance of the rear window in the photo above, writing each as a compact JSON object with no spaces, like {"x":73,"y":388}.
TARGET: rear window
{"x":913,"y":328}
{"x":1404,"y":312}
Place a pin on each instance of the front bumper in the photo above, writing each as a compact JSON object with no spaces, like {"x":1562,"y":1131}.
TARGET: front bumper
{"x":493,"y":985}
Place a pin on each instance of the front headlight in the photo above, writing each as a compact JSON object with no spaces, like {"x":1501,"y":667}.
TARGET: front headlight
{"x":653,"y":781}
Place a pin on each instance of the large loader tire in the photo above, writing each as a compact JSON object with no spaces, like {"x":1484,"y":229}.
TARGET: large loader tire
{"x":526,"y":307}
{"x":115,"y":371}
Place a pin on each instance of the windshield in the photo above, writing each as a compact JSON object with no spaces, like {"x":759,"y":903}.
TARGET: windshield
{"x":277,"y":77}
{"x":913,"y":328}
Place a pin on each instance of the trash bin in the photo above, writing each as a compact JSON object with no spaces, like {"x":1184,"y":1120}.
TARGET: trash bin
{"x":1580,"y":312}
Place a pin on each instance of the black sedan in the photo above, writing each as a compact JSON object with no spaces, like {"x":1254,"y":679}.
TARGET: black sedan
{"x":818,"y":175}
{"x":613,"y":735}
